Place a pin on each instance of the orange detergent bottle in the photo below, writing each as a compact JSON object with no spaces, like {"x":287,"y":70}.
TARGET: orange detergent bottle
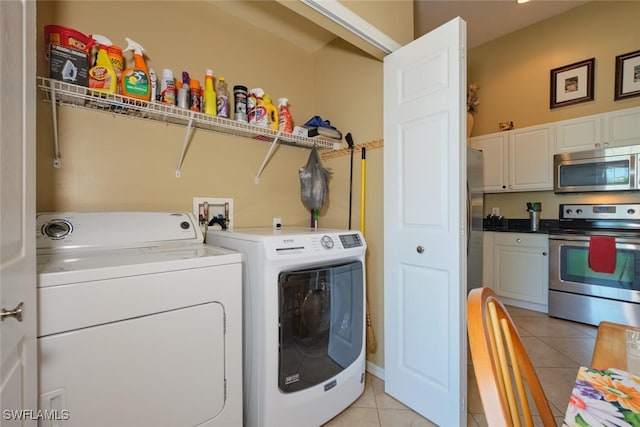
{"x":135,"y":80}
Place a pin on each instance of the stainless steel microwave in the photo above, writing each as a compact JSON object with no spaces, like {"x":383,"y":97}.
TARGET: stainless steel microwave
{"x":606,"y":169}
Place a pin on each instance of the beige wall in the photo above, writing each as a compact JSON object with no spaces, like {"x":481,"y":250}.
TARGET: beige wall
{"x":513,"y":73}
{"x":111,"y":162}
{"x":354,"y":99}
{"x":117,"y":163}
{"x":120,"y":163}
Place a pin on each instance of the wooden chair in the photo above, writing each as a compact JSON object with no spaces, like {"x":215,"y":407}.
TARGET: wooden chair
{"x":610,"y":349}
{"x":499,"y":361}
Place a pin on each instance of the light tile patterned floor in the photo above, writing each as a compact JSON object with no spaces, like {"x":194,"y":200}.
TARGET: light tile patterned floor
{"x":556,"y":347}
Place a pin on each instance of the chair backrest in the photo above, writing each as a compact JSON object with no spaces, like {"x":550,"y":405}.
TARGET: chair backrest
{"x":610,"y":349}
{"x":503,"y":370}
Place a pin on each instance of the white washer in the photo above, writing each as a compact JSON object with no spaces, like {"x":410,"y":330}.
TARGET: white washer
{"x":304,"y":325}
{"x":140,"y":323}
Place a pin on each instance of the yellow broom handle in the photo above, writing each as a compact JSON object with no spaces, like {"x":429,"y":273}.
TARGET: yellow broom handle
{"x":363,"y":175}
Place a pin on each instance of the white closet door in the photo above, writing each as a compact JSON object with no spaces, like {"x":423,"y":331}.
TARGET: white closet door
{"x":425,"y":217}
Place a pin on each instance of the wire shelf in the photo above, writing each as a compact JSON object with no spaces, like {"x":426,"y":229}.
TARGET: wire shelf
{"x":85,"y":98}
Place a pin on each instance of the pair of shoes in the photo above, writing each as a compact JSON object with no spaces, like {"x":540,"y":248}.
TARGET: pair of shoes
{"x":323,"y":127}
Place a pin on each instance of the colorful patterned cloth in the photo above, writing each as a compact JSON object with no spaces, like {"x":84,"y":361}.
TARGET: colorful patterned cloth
{"x":608,"y":397}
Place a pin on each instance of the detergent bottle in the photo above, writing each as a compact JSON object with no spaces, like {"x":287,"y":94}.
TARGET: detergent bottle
{"x":135,"y":80}
{"x":102,"y":76}
{"x":272,"y":113}
{"x":209,"y":97}
{"x":284,"y":115}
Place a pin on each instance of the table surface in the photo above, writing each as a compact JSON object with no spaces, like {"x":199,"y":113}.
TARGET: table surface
{"x":609,"y":397}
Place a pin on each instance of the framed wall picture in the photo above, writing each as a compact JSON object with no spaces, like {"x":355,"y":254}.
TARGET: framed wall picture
{"x":572,"y":84}
{"x":627,"y":75}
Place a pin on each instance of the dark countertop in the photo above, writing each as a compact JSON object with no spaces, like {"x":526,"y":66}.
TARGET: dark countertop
{"x":516,"y":225}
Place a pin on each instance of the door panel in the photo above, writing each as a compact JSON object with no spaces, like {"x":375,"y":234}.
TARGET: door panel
{"x":18,"y":392}
{"x":425,"y":224}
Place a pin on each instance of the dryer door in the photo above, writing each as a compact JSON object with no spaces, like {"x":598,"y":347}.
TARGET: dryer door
{"x":321,"y":323}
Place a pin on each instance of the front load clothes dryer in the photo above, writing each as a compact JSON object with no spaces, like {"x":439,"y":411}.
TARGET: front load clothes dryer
{"x":139,"y":322}
{"x":304,"y":325}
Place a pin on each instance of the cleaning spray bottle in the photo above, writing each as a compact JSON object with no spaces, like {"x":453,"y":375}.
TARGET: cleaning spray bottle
{"x":284,"y":115}
{"x":257,"y":115}
{"x":209,"y":97}
{"x":135,"y":80}
{"x":102,"y":76}
{"x":272,"y":113}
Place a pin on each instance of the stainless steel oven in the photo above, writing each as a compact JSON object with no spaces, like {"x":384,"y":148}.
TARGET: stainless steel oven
{"x":581,"y":293}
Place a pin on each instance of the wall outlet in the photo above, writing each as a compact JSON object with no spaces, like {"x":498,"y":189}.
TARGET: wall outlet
{"x":216,"y":208}
{"x":495,"y":211}
{"x":277,"y":223}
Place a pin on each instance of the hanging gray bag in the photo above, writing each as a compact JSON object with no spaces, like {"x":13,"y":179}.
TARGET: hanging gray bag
{"x":314,"y":182}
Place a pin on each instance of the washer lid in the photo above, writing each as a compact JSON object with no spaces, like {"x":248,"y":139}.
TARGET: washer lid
{"x":58,"y":268}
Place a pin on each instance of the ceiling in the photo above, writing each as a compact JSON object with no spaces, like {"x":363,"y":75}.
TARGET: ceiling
{"x":486,"y":20}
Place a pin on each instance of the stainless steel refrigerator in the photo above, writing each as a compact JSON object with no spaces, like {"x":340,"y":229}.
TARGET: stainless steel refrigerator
{"x":474,"y":218}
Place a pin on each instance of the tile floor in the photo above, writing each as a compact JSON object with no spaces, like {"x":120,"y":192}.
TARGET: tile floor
{"x":556,"y":347}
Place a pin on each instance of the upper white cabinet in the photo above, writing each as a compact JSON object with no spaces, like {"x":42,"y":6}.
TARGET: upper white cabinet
{"x":583,"y":133}
{"x":495,"y":153}
{"x":531,"y":158}
{"x":613,"y":129}
{"x":621,"y":127}
{"x":517,"y":160}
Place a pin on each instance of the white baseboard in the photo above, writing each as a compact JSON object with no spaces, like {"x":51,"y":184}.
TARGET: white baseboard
{"x":375,"y":370}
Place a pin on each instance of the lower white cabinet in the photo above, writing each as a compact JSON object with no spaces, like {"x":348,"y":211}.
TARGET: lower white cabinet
{"x":517,"y":268}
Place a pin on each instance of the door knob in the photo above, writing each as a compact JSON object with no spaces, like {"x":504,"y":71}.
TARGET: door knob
{"x":16,"y":313}
{"x":420,"y":249}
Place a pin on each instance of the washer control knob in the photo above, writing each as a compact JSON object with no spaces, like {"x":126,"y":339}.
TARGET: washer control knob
{"x":631,"y":211}
{"x":185,"y":225}
{"x":57,"y":228}
{"x":569,"y":211}
{"x":579,"y":211}
{"x":327,"y":242}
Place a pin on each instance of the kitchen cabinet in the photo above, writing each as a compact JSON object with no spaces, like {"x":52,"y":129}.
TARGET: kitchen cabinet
{"x":621,"y":127}
{"x":517,"y":160}
{"x":583,"y":133}
{"x":494,"y":155}
{"x":520,"y":269}
{"x":612,"y":129}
